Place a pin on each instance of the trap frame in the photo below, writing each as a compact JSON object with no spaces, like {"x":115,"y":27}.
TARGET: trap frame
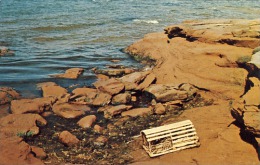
{"x":169,"y":138}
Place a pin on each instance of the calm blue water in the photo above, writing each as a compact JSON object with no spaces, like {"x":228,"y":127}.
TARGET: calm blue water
{"x":50,"y":36}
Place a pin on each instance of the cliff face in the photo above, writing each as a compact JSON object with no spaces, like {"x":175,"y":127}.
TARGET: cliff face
{"x":212,"y":55}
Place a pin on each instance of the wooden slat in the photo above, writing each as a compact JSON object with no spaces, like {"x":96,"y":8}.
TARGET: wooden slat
{"x":171,"y":134}
{"x":185,"y":135}
{"x":169,"y":131}
{"x":194,"y":138}
{"x":166,"y":127}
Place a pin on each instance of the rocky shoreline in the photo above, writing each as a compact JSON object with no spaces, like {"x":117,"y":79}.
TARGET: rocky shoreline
{"x":201,"y":70}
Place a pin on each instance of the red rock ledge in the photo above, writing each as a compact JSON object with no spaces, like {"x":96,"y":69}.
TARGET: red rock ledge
{"x":210,"y":54}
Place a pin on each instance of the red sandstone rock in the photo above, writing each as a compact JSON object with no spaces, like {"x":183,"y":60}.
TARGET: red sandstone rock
{"x":149,"y":79}
{"x":37,"y":105}
{"x":39,"y":152}
{"x":252,"y":97}
{"x":137,"y":112}
{"x":87,"y":121}
{"x":166,"y":92}
{"x":102,"y":99}
{"x":98,"y":128}
{"x":15,"y":151}
{"x":122,"y":98}
{"x":68,"y":110}
{"x":72,"y":73}
{"x":54,"y":91}
{"x":159,"y":109}
{"x":111,"y":86}
{"x":115,"y":110}
{"x":21,"y":124}
{"x":68,"y":139}
{"x":102,"y":77}
{"x":7,"y":95}
{"x":135,"y":77}
{"x":100,"y":141}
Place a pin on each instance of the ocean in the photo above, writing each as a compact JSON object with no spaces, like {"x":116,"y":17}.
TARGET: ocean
{"x":51,"y":36}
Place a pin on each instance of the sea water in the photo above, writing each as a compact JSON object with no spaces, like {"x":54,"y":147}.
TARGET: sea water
{"x":50,"y":36}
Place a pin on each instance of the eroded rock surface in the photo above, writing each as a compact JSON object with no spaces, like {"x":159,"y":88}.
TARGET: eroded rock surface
{"x":69,"y":111}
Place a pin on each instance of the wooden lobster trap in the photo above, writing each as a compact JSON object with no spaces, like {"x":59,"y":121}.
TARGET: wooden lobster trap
{"x":169,"y":138}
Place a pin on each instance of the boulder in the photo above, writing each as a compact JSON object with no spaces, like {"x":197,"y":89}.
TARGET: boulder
{"x":37,"y":105}
{"x":166,"y":92}
{"x":122,"y":98}
{"x":111,"y":86}
{"x":21,"y":124}
{"x":102,"y":77}
{"x":137,"y":112}
{"x":111,"y":72}
{"x":67,"y":110}
{"x":15,"y":151}
{"x":72,"y":73}
{"x":7,"y":95}
{"x":115,"y":110}
{"x":87,"y":121}
{"x":68,"y":139}
{"x":130,"y":86}
{"x":255,"y":59}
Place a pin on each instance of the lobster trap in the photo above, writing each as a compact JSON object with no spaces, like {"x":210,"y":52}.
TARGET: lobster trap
{"x":169,"y":138}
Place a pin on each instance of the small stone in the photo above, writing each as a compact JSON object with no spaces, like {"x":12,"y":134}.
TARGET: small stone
{"x":86,"y":122}
{"x":68,"y":139}
{"x":39,"y":152}
{"x":98,"y":128}
{"x":159,"y":109}
{"x":101,"y":141}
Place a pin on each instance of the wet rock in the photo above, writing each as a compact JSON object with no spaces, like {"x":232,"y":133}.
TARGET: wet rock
{"x":21,"y":124}
{"x":166,"y":92}
{"x":159,"y":109}
{"x":115,"y":110}
{"x":122,"y":98}
{"x":39,"y":152}
{"x":101,"y":141}
{"x":7,"y":95}
{"x":98,"y":129}
{"x":37,"y":105}
{"x":15,"y":151}
{"x":72,"y":73}
{"x":5,"y":51}
{"x":111,"y":86}
{"x":135,"y":77}
{"x":111,"y":72}
{"x":68,"y":139}
{"x":137,"y":112}
{"x":147,"y":81}
{"x":87,"y":122}
{"x":67,"y":110}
